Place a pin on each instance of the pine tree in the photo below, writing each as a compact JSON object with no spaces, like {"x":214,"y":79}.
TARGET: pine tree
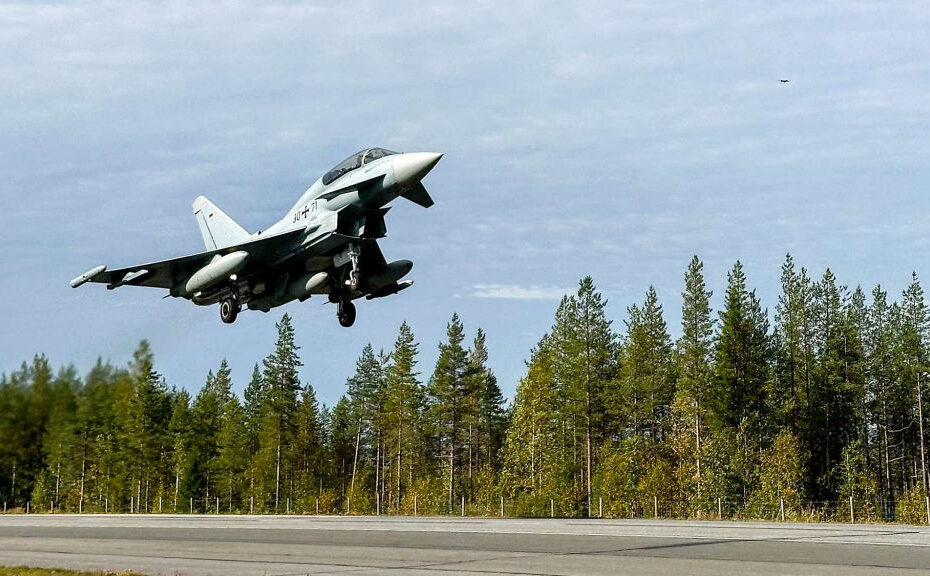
{"x":280,"y":385}
{"x":915,"y":333}
{"x":342,"y":440}
{"x":144,"y":409}
{"x":208,"y":420}
{"x":585,"y":364}
{"x":95,"y":426}
{"x":449,"y":390}
{"x":308,"y":446}
{"x":232,"y":447}
{"x":647,"y":372}
{"x":366,"y":393}
{"x":180,"y":428}
{"x":533,"y":459}
{"x":882,"y":386}
{"x":60,"y":443}
{"x":37,"y":384}
{"x":404,"y":403}
{"x":694,"y":355}
{"x":839,"y":384}
{"x":793,"y":351}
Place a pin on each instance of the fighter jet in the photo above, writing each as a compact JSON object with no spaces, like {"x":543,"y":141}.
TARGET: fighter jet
{"x":326,"y":244}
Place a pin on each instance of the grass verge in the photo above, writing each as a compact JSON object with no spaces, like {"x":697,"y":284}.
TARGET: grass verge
{"x":26,"y":571}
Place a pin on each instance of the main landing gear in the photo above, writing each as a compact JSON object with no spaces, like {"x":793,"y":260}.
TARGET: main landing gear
{"x":353,"y":279}
{"x":346,"y":313}
{"x":229,"y":310}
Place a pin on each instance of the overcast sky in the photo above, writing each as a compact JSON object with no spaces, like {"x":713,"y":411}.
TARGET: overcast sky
{"x":611,"y":139}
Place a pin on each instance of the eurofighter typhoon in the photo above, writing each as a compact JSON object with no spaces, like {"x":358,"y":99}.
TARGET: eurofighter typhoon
{"x":326,"y":244}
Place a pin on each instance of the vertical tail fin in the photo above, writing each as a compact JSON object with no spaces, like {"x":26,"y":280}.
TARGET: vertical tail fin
{"x":217,"y":228}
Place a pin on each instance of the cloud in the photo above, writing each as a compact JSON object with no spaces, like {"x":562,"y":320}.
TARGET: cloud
{"x":515,"y":292}
{"x":597,"y":138}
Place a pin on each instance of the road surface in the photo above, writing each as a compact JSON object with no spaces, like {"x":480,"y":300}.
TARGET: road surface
{"x":294,"y":545}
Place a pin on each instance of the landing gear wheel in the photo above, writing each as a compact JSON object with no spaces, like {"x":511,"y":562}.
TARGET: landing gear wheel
{"x":346,"y":313}
{"x":229,"y":309}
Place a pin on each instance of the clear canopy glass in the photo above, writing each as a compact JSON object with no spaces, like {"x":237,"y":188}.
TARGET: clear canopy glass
{"x":354,"y":162}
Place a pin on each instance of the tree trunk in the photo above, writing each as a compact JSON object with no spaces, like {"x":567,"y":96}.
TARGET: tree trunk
{"x":277,"y":477}
{"x":400,"y":427}
{"x":920,"y":419}
{"x":58,"y":477}
{"x":588,"y":414}
{"x":452,"y":459}
{"x":697,"y":441}
{"x":83,"y":476}
{"x":358,"y":438}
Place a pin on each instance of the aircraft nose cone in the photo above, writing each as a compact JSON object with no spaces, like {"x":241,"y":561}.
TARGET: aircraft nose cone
{"x":413,"y":166}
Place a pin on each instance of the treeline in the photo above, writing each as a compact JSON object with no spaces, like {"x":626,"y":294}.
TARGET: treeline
{"x":802,"y":413}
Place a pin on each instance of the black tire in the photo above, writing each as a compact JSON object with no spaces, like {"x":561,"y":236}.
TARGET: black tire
{"x":229,"y":310}
{"x":346,"y":314}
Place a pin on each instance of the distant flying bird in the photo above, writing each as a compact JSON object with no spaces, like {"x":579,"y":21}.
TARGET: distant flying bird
{"x":784,"y":80}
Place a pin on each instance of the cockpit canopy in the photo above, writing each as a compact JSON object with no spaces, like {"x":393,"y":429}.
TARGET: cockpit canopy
{"x":353,"y":162}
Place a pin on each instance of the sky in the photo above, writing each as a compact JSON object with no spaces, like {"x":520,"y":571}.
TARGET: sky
{"x":615,"y":139}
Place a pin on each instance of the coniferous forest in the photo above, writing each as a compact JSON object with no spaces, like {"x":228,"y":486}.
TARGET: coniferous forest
{"x":808,"y":408}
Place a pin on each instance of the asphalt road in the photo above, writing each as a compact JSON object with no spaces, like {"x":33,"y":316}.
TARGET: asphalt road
{"x":293,"y":545}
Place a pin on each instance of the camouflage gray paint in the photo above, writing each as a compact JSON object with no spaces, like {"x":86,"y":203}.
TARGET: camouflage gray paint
{"x":325,"y":244}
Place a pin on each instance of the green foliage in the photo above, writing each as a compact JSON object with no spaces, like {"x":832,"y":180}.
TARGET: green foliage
{"x":779,"y":480}
{"x":825,"y":411}
{"x":619,"y":480}
{"x":584,"y":353}
{"x":451,"y":390}
{"x":646,"y":375}
{"x":694,"y":388}
{"x":742,"y":358}
{"x":912,"y":507}
{"x":858,"y":482}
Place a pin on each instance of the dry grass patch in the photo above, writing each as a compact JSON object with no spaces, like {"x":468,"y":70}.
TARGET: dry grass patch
{"x":26,"y":571}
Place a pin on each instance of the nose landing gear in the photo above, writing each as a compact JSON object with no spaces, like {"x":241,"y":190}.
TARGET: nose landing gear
{"x":346,"y":313}
{"x":229,"y":310}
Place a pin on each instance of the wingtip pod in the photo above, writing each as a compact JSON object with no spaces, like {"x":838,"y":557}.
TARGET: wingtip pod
{"x":87,"y":276}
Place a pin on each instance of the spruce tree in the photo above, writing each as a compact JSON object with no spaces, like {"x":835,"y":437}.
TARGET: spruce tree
{"x":490,"y":413}
{"x":742,"y":356}
{"x":694,"y":354}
